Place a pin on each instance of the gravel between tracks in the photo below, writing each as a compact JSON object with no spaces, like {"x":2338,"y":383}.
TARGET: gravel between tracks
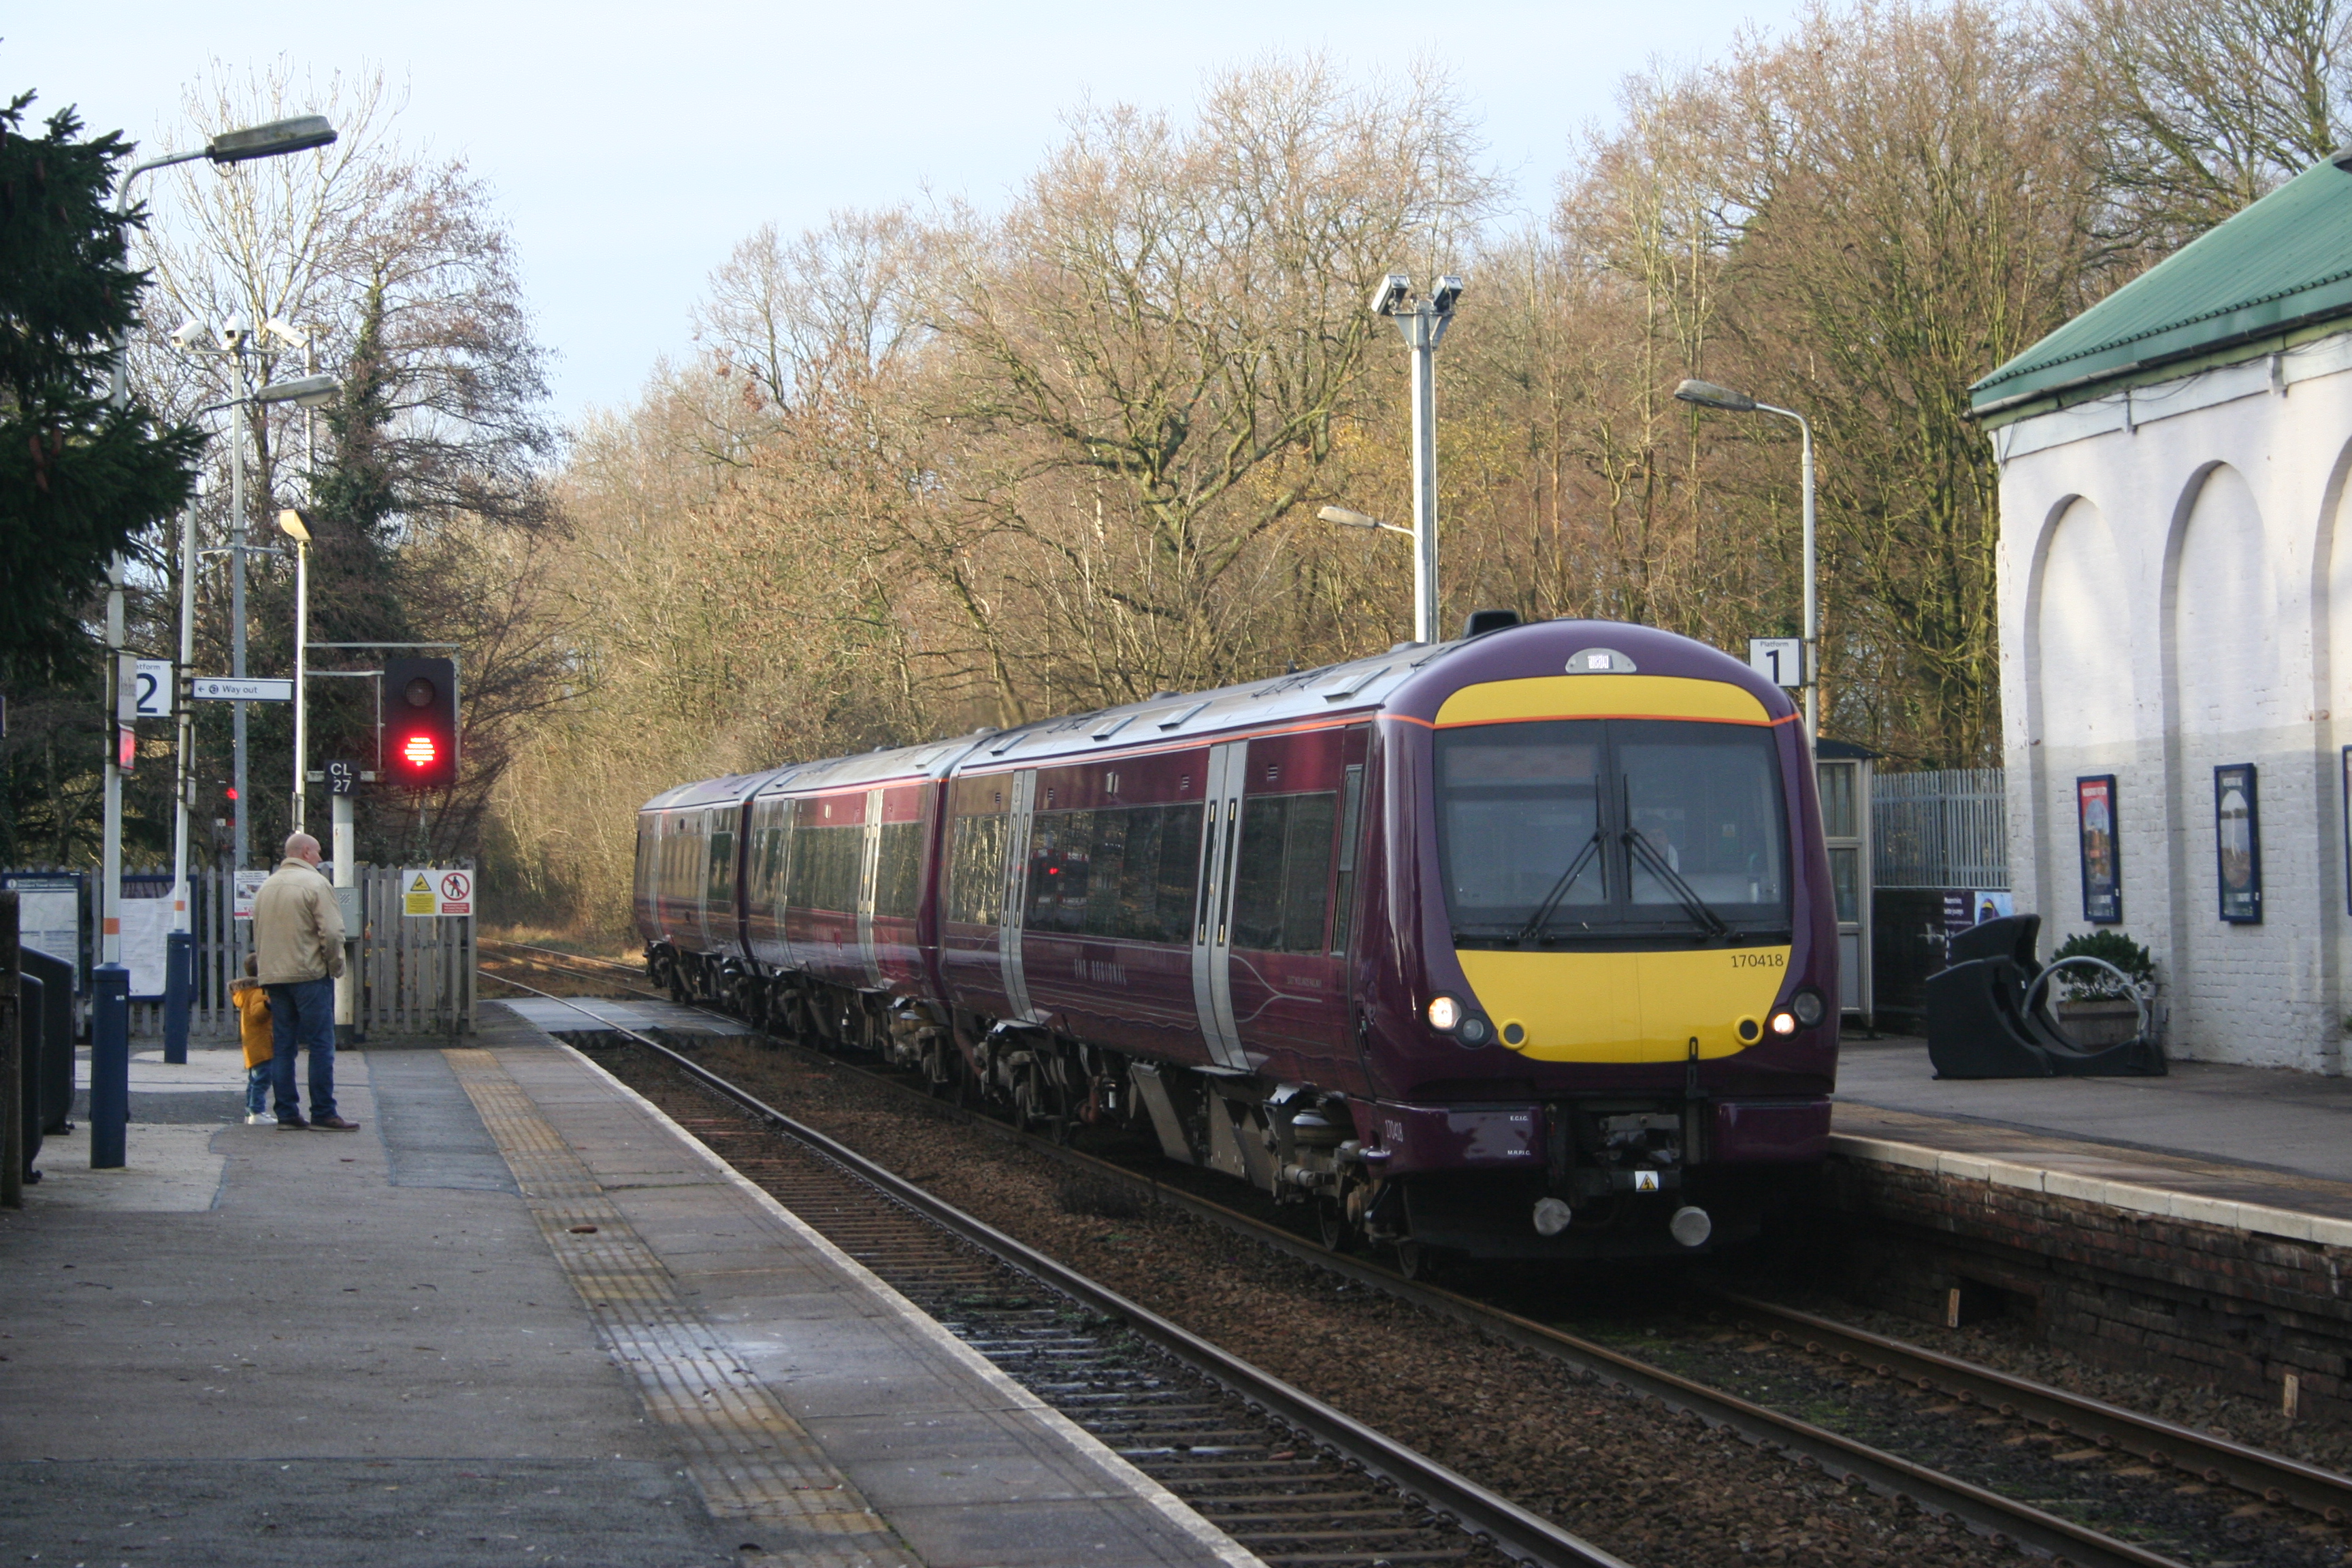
{"x":1658,"y":1491}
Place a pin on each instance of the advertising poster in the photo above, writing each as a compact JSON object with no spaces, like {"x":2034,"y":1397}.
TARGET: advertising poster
{"x":2103,"y":877}
{"x":48,"y":913}
{"x":2348,"y":828}
{"x":2238,"y":842}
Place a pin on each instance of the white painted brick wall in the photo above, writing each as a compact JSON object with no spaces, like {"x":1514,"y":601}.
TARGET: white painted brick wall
{"x":2177,"y":594}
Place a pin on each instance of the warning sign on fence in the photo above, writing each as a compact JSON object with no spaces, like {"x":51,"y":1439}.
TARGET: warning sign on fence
{"x":430,"y":891}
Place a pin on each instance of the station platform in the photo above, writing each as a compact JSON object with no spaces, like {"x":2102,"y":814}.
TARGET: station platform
{"x":518,"y":1317}
{"x":2266,"y":1151}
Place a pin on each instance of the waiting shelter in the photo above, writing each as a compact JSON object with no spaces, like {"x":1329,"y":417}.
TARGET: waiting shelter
{"x":2176,"y":623}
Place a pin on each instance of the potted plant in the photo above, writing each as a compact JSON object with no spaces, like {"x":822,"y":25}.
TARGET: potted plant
{"x":2093,"y":1006}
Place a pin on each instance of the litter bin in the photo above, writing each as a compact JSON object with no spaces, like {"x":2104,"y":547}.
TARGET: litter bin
{"x":30,"y":1016}
{"x":57,"y":977}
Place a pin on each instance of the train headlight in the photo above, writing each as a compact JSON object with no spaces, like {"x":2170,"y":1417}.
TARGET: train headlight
{"x":1444,"y":1013}
{"x":1784,"y":1023}
{"x":1808,"y":1007}
{"x":1474,"y":1031}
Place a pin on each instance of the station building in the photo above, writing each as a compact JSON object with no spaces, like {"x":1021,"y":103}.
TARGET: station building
{"x":2175,"y":576}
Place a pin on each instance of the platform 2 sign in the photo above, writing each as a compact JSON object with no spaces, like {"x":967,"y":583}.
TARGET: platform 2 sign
{"x":427,"y":891}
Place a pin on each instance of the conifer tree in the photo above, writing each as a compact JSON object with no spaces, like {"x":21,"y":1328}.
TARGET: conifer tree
{"x":79,"y":477}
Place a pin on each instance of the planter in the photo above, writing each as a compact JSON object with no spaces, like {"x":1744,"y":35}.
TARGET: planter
{"x":2092,"y":1025}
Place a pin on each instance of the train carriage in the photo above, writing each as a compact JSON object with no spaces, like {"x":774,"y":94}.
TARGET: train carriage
{"x":1517,"y":946}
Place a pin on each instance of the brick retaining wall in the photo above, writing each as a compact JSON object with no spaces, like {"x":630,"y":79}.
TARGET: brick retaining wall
{"x":2221,"y":1305}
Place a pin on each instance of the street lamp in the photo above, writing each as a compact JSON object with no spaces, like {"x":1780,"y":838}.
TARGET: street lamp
{"x":1423,"y":322}
{"x":291,"y":523}
{"x":1707,"y":395}
{"x":1347,"y":519}
{"x":273,"y":140}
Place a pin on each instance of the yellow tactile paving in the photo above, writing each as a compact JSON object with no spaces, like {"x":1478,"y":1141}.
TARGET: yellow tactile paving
{"x":753,"y":1463}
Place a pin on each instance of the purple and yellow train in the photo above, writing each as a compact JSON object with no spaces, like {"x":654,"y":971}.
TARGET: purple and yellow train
{"x":1517,"y":946}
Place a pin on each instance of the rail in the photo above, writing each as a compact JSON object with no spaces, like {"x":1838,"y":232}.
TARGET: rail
{"x":1486,"y":1516}
{"x":2164,"y":1444}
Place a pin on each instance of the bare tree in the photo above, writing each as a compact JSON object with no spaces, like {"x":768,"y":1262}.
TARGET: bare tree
{"x":2206,"y":105}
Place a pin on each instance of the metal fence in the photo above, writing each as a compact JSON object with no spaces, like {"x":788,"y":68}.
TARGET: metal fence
{"x":414,"y":974}
{"x":1949,"y":828}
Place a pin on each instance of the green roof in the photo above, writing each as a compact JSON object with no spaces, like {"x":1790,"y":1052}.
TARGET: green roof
{"x":2283,"y":263}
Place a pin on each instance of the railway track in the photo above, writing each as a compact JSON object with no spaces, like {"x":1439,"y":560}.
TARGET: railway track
{"x":1293,"y":1479}
{"x":1836,"y":1351}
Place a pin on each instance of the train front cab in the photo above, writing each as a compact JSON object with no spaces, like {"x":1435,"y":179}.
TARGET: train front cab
{"x":1605,"y":1028}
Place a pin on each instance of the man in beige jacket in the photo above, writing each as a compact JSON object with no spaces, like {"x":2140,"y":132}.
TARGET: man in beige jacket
{"x":298,"y":939}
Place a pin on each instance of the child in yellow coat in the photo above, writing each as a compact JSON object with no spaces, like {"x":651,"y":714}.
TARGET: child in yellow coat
{"x":252,"y":1003}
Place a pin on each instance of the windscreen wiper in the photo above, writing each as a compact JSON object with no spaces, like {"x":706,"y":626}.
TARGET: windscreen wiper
{"x":1534,"y":929}
{"x":1684,"y":894}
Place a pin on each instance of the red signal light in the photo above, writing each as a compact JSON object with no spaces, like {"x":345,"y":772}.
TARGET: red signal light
{"x":420,"y":751}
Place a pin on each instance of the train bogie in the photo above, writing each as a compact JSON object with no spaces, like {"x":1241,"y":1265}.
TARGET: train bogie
{"x":1515,"y":947}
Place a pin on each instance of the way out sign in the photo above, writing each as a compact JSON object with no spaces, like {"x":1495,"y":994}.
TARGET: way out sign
{"x":429,"y":891}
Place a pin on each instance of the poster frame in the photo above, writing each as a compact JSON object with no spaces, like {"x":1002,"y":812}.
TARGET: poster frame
{"x":2243,"y":907}
{"x":2103,"y":898}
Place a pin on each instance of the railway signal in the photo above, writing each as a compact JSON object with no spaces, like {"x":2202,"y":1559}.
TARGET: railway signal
{"x":420,"y":721}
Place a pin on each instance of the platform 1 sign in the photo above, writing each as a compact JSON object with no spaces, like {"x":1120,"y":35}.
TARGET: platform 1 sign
{"x":427,"y":890}
{"x":1780,"y":660}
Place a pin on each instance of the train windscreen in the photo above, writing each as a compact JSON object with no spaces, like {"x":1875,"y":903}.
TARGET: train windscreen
{"x":1607,"y":829}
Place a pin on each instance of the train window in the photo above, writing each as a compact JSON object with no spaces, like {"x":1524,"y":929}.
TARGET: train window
{"x":826,"y":861}
{"x":1159,"y":864}
{"x":1519,"y":804}
{"x":1125,"y":873}
{"x":1282,"y":885}
{"x":1597,"y":823}
{"x":1061,"y":865}
{"x":898,"y":869}
{"x":976,"y":871}
{"x":720,"y":891}
{"x":1705,"y":799}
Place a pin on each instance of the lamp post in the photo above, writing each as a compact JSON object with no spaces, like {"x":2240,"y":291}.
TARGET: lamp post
{"x":1707,"y":395}
{"x":290,"y":523}
{"x":1422,"y":320}
{"x":274,"y":140}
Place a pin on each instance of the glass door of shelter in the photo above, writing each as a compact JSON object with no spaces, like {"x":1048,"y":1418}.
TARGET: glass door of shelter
{"x":1846,"y":829}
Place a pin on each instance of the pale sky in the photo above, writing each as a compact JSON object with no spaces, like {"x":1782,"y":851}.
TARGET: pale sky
{"x":633,"y":145}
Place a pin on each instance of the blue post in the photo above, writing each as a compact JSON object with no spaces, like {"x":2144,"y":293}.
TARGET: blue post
{"x":109,"y":1064}
{"x":179,"y":991}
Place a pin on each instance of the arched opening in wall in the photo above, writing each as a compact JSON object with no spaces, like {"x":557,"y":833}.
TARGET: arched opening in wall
{"x":2331,"y":711}
{"x":2079,"y":682}
{"x":2229,"y":694}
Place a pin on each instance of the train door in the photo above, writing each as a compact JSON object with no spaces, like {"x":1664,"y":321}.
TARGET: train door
{"x":1212,"y":947}
{"x":1019,"y":809}
{"x":717,"y":900}
{"x":868,"y":861}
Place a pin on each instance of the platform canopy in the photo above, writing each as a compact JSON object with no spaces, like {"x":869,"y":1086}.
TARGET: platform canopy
{"x":2275,"y":271}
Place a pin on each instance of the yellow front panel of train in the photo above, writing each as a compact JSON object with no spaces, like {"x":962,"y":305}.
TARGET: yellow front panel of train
{"x":1606,"y":1006}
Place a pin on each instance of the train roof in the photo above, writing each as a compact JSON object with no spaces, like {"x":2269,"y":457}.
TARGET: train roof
{"x":1358,"y":687}
{"x":709,"y":791}
{"x":929,"y":759}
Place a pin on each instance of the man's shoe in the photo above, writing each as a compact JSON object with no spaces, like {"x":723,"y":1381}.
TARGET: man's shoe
{"x":292,"y":1124}
{"x":256,"y":1117}
{"x":333,"y":1124}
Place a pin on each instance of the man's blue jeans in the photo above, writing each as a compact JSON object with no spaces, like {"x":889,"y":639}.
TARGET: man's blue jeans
{"x":302,"y":1015}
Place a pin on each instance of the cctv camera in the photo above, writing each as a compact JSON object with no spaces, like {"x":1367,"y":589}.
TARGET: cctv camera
{"x":233,"y":334}
{"x":1442,"y":298}
{"x":285,"y":332}
{"x":1390,"y":293}
{"x":186,"y":333}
